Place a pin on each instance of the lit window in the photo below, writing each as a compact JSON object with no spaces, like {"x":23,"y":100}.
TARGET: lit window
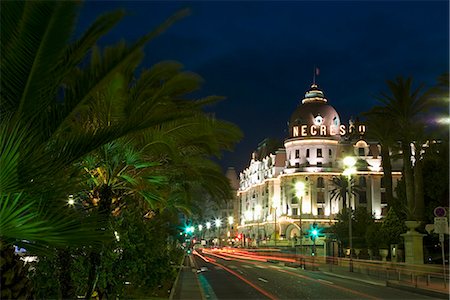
{"x":320,"y":182}
{"x":362,"y":197}
{"x":320,"y":197}
{"x":362,"y":181}
{"x":319,"y":152}
{"x":297,"y":153}
{"x":361,"y":151}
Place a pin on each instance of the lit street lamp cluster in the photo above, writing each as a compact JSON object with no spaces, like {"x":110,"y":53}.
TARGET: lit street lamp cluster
{"x":191,"y":230}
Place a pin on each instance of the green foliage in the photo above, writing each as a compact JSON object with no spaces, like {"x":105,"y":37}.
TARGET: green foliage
{"x":376,"y":237}
{"x":392,"y":227}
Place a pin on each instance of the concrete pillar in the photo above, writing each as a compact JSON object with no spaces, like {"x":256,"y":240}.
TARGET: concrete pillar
{"x":413,"y":243}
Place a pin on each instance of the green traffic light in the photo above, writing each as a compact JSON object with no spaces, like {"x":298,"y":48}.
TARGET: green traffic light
{"x":314,"y":232}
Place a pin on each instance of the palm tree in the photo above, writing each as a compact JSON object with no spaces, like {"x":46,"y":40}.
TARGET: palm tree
{"x":405,"y":106}
{"x":43,"y":91}
{"x":383,"y":130}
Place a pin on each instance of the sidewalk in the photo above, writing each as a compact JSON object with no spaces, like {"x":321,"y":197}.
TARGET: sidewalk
{"x":432,"y":290}
{"x":186,"y":285}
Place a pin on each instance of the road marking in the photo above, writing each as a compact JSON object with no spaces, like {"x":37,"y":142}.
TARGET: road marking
{"x":247,"y":266}
{"x":262,"y":279}
{"x":326,"y":281}
{"x":276,"y":267}
{"x":240,"y":271}
{"x":261,"y":267}
{"x":218,"y":268}
{"x":232,"y":267}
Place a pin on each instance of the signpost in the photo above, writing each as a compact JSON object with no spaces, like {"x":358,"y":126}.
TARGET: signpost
{"x":441,"y":227}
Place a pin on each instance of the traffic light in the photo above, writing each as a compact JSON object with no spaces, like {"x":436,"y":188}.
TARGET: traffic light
{"x":314,"y":232}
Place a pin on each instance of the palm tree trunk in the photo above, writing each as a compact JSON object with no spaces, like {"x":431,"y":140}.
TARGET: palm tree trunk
{"x":105,"y":193}
{"x":409,"y":179}
{"x":418,"y":191}
{"x":387,"y":173}
{"x":67,"y":290}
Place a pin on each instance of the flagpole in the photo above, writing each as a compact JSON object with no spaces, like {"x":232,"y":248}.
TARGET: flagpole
{"x":314,"y":75}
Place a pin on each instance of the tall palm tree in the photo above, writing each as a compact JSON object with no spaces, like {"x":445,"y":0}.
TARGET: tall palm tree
{"x":383,"y":130}
{"x":43,"y":91}
{"x":405,"y":106}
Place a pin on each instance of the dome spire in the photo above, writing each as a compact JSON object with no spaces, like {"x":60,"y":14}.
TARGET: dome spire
{"x":316,"y":72}
{"x":314,"y":95}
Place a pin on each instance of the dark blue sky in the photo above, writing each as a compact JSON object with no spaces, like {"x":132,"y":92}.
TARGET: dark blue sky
{"x":260,"y":55}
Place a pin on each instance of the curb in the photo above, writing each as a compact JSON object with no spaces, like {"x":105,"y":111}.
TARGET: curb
{"x":413,"y":289}
{"x":172,"y":291}
{"x":355,"y":278}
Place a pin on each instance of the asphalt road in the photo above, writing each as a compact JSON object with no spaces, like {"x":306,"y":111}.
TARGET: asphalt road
{"x":225,"y":275}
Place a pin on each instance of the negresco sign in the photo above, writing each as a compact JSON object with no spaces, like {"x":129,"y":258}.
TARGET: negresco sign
{"x":323,"y":130}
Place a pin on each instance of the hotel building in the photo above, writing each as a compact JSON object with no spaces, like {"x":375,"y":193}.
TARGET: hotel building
{"x":271,"y":204}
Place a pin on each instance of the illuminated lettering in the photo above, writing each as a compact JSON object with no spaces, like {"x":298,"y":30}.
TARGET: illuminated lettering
{"x":362,"y":129}
{"x":304,"y":127}
{"x":322,"y":130}
{"x":332,"y":130}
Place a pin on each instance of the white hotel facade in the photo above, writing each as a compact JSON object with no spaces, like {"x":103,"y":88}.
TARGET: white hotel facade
{"x":313,"y":154}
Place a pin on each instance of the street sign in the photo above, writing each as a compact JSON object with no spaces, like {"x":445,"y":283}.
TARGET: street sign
{"x":440,"y":211}
{"x":440,"y":225}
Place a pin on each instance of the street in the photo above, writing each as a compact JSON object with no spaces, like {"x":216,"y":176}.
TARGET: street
{"x":234,"y":274}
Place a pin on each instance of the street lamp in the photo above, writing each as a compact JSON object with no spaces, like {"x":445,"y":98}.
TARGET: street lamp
{"x":275,"y":204}
{"x":258,"y":210}
{"x":230,"y":224}
{"x":208,"y":227}
{"x":349,"y":163}
{"x":299,"y":192}
{"x":218,"y":223}
{"x":200,"y":228}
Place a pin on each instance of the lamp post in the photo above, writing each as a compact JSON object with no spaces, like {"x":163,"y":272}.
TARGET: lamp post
{"x":208,"y":227}
{"x":299,"y":192}
{"x":218,"y":223}
{"x":248,"y":217}
{"x":230,"y":223}
{"x":349,"y":163}
{"x":258,"y":210}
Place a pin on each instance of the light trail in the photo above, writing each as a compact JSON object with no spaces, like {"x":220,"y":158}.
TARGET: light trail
{"x":262,"y":291}
{"x":359,"y":294}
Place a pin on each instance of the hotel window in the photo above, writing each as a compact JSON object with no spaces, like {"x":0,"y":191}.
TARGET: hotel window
{"x":307,"y":152}
{"x":297,"y":153}
{"x":382,"y":182}
{"x":383,"y":198}
{"x":320,"y":197}
{"x":297,"y":165}
{"x":361,"y":151}
{"x":320,"y":211}
{"x":294,"y":211}
{"x":319,"y":152}
{"x":362,"y":197}
{"x":362,"y":181}
{"x":319,"y":164}
{"x":294,"y":199}
{"x":330,"y":153}
{"x":320,"y":182}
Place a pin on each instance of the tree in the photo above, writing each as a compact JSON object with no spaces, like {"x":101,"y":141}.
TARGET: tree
{"x":405,"y":106}
{"x":383,"y":130}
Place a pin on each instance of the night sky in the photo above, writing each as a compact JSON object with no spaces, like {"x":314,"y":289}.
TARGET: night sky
{"x":261,"y":55}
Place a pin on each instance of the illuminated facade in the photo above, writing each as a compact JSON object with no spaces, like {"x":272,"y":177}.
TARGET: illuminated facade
{"x":313,"y":155}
